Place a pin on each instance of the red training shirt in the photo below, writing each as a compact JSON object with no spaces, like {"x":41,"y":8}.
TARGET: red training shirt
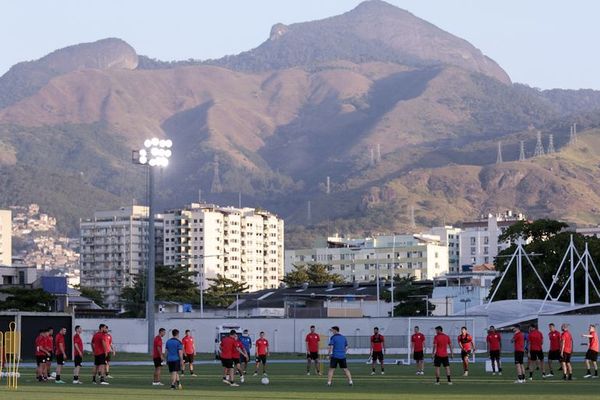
{"x":441,"y":342}
{"x":536,"y":340}
{"x":312,"y":342}
{"x":519,"y":341}
{"x":228,"y":345}
{"x":593,"y":341}
{"x":77,"y":341}
{"x":49,"y":343}
{"x":157,"y":347}
{"x":418,"y":340}
{"x":39,"y":346}
{"x":494,"y":339}
{"x":377,"y":342}
{"x":188,"y":344}
{"x":567,"y":339}
{"x":261,"y":346}
{"x":60,"y":339}
{"x":466,"y":341}
{"x":97,"y":341}
{"x":554,"y":337}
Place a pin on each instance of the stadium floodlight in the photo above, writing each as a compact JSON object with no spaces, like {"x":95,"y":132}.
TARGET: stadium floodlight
{"x":155,"y":154}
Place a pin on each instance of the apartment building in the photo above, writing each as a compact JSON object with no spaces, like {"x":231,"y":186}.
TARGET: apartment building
{"x":361,"y":260}
{"x":114,"y":249}
{"x":449,"y":236}
{"x":242,"y":244}
{"x":5,"y":237}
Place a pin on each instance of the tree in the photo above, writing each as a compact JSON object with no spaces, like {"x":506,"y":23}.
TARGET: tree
{"x":23,"y":299}
{"x":313,"y":274}
{"x":93,"y":294}
{"x":410,"y":297}
{"x":171,"y":284}
{"x":548,"y":244}
{"x":221,"y":293}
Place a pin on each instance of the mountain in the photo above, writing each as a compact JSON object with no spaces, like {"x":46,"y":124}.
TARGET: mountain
{"x":398,"y":114}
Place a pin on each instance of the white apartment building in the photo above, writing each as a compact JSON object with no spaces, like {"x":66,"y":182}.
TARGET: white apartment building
{"x":589,"y":231}
{"x":421,"y":256}
{"x":479,"y":239}
{"x":449,"y":236}
{"x":242,"y":244}
{"x":5,"y":237}
{"x":114,"y":249}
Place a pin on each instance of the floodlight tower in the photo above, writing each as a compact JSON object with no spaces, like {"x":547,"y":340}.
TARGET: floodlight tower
{"x":155,"y":154}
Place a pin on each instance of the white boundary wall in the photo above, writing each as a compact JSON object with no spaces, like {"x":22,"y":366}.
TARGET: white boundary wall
{"x":284,"y":335}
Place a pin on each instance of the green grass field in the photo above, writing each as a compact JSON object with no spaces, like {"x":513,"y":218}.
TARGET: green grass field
{"x":288,"y":381}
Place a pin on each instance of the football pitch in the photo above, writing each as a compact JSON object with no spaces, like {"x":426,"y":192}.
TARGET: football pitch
{"x":289,"y":381}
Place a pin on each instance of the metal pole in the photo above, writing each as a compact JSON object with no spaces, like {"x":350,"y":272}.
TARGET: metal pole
{"x":519,"y":274}
{"x":587,"y":276}
{"x":151,"y":259}
{"x":202,"y":289}
{"x":237,"y":306}
{"x":378,"y":302}
{"x":393,"y":271}
{"x":572,"y":273}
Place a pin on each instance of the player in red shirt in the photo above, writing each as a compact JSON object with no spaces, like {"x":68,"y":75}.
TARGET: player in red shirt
{"x":100,"y":351}
{"x":189,"y":351}
{"x":227,"y":350}
{"x":519,"y":347}
{"x":467,"y":346}
{"x":377,"y":350}
{"x":111,"y":351}
{"x":536,"y":353}
{"x":417,"y":342}
{"x":49,"y":344}
{"x":441,"y":344}
{"x":157,"y":356}
{"x":554,"y":349}
{"x":494,"y":347}
{"x":312,"y":350}
{"x":61,"y":353}
{"x":566,"y":349}
{"x":262,"y":351}
{"x":239,"y":354}
{"x":41,"y":353}
{"x":591,"y":356}
{"x":77,"y":354}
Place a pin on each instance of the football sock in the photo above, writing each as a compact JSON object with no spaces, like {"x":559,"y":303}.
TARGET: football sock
{"x":449,"y":380}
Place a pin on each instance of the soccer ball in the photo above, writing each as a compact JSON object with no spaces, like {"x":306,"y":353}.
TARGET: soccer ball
{"x":53,"y":374}
{"x":264,"y":381}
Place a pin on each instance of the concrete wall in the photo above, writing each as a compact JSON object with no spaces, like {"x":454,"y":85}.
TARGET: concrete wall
{"x":284,"y":335}
{"x":578,"y":325}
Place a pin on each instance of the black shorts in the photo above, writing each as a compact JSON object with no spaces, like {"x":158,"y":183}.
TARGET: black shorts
{"x":338,"y":362}
{"x":261,"y":359}
{"x":77,"y":360}
{"x":554,"y":355}
{"x":60,"y":360}
{"x":465,"y":353}
{"x":418,"y":356}
{"x":566,"y":358}
{"x":495,"y":354}
{"x":536,"y":355}
{"x":227,"y":362}
{"x":40,"y":360}
{"x":377,"y":356}
{"x":100,"y":360}
{"x":174,"y":366}
{"x":519,"y":356}
{"x":108,"y":357}
{"x":313,"y":355}
{"x":157,"y":362}
{"x":49,"y":357}
{"x":439,"y":361}
{"x":188,"y":358}
{"x":591,"y":355}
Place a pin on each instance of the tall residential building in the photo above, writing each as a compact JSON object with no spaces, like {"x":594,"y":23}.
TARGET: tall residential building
{"x":449,"y":236}
{"x":479,"y":239}
{"x":5,"y":237}
{"x":421,"y":256}
{"x":114,"y":249}
{"x":242,"y":244}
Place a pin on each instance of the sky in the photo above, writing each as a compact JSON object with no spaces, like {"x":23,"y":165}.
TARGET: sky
{"x":542,"y":43}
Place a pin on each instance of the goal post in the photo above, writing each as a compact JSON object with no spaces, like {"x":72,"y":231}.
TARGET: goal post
{"x":451,"y":325}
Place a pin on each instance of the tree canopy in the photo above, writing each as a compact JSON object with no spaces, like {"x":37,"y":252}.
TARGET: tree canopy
{"x":172,"y":284}
{"x":410,"y":297}
{"x":546,"y":249}
{"x":221,"y":291}
{"x":24,"y":299}
{"x":313,"y":274}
